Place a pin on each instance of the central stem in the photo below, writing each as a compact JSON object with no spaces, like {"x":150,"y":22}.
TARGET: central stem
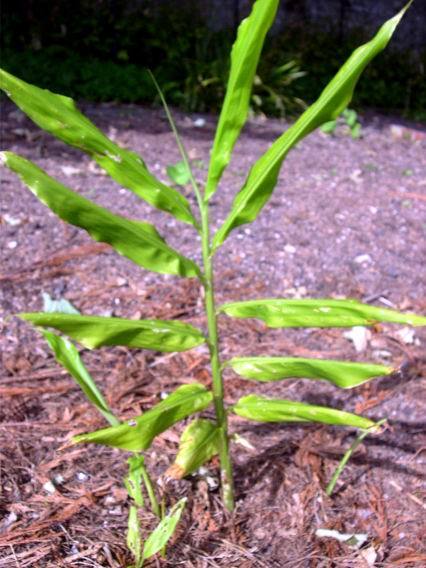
{"x":217,"y":380}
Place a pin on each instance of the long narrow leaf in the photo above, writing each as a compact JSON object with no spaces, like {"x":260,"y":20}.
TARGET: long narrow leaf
{"x":164,"y":531}
{"x":134,"y":539}
{"x":136,"y":240}
{"x":134,"y":478}
{"x":67,"y":355}
{"x":59,"y":116}
{"x":198,"y":444}
{"x":264,"y":409}
{"x":244,"y":58}
{"x":95,"y":331}
{"x":137,"y":434}
{"x":335,"y":97}
{"x":317,"y":313}
{"x":343,"y":374}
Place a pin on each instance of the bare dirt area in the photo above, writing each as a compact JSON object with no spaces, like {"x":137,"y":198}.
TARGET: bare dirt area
{"x":346,"y":220}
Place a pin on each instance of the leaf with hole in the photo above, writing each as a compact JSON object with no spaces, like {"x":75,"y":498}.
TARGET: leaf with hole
{"x":138,"y":433}
{"x":134,"y":478}
{"x":134,"y":541}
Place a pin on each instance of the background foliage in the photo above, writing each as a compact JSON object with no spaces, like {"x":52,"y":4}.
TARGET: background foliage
{"x":103,"y":47}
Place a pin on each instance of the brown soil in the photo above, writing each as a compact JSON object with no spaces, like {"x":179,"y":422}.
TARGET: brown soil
{"x":337,"y":199}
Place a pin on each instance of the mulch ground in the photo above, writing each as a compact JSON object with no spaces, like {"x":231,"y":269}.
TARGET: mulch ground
{"x":347,"y":220}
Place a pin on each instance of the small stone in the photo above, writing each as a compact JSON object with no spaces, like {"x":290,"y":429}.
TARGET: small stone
{"x":70,"y":170}
{"x":12,"y":221}
{"x":406,"y":335}
{"x":289,"y":249}
{"x":360,"y":336}
{"x":363,"y":259}
{"x":81,"y":476}
{"x":49,"y":487}
{"x":373,"y":210}
{"x":12,"y":245}
{"x":199,"y":122}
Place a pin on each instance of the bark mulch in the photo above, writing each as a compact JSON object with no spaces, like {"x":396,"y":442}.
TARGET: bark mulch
{"x":347,"y":220}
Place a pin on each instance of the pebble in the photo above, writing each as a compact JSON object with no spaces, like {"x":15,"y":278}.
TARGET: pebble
{"x":12,"y":245}
{"x":363,"y":259}
{"x":290,"y":249}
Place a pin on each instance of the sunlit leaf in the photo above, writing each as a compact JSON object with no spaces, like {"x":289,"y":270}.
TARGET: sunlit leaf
{"x":317,"y":313}
{"x":96,"y":331}
{"x":263,"y":175}
{"x":59,"y":116}
{"x":67,"y":355}
{"x":133,"y":480}
{"x":179,"y":173}
{"x":136,"y":240}
{"x":264,"y":409}
{"x":138,"y":433}
{"x":164,"y":531}
{"x":244,"y":58}
{"x":134,"y":541}
{"x":343,"y":374}
{"x":198,"y":444}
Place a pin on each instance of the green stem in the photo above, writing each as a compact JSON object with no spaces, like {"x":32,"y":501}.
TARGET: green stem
{"x":330,"y":487}
{"x":213,"y":340}
{"x":217,"y":379}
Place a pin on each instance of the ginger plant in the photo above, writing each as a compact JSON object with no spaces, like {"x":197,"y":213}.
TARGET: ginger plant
{"x":141,"y":243}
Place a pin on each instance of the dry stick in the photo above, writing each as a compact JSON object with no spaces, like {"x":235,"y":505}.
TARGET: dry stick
{"x":330,"y":487}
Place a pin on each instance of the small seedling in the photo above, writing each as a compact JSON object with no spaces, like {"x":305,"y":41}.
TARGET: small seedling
{"x":141,"y":243}
{"x":348,"y":118}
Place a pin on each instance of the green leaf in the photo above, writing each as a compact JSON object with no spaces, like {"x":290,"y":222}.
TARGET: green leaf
{"x":264,"y":409}
{"x":244,"y":58}
{"x":96,"y":331}
{"x":59,"y":116}
{"x":136,"y":240}
{"x":134,"y":541}
{"x":179,"y":173}
{"x":138,"y":433}
{"x":164,"y":531}
{"x":198,"y":444}
{"x":133,"y":480}
{"x":335,"y":97}
{"x":341,"y":373}
{"x":67,"y":355}
{"x":329,"y":127}
{"x":317,"y":313}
